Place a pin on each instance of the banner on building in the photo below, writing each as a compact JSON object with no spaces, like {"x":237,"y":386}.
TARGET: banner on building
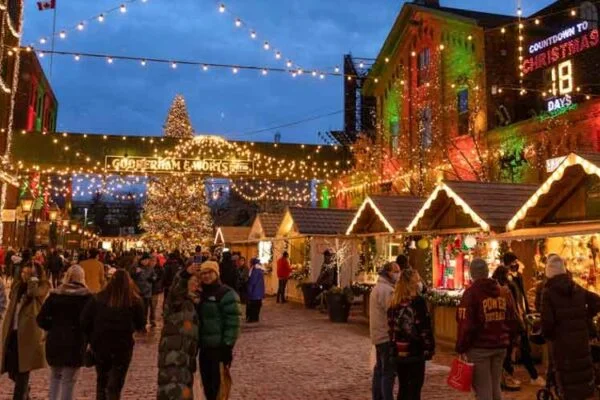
{"x":158,"y":165}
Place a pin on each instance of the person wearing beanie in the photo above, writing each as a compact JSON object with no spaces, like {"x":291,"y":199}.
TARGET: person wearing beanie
{"x":567,"y":310}
{"x":256,"y":290}
{"x":219,"y":311}
{"x":486,"y":322}
{"x":65,"y":342}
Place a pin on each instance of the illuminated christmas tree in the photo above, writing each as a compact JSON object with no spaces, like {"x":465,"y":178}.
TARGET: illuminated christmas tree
{"x":176,"y":214}
{"x":178,"y":123}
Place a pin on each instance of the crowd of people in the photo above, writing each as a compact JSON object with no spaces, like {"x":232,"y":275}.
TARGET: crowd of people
{"x":69,"y":310}
{"x":493,"y":320}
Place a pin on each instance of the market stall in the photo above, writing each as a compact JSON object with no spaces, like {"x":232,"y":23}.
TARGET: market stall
{"x":305,"y":233}
{"x":456,"y":222}
{"x":261,"y":239}
{"x":235,"y":238}
{"x":380,"y":226}
{"x":563,"y":217}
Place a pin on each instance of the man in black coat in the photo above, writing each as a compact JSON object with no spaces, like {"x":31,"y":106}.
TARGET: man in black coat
{"x":566,"y":311}
{"x":228,"y":272}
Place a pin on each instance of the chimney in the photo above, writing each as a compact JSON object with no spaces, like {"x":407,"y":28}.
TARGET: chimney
{"x":428,"y":3}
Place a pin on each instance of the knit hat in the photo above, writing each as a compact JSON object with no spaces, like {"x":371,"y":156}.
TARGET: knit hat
{"x":555,"y":266}
{"x":210,"y":266}
{"x":479,"y":269}
{"x":75,"y":274}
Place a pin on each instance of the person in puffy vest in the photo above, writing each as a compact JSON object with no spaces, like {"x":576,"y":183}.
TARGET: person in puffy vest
{"x":178,"y":346}
{"x":220,"y":314}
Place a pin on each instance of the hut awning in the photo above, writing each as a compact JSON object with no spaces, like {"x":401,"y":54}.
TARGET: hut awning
{"x":393,"y":213}
{"x":231,"y":234}
{"x":321,"y":221}
{"x":489,"y":205}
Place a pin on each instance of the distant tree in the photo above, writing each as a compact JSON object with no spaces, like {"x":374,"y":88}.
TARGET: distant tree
{"x":178,"y":123}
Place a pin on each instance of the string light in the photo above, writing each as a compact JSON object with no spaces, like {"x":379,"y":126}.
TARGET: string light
{"x":238,"y":22}
{"x":253,"y":34}
{"x":266,"y":45}
{"x":123,"y":8}
{"x":62,"y":34}
{"x":143,"y":63}
{"x":101,"y":18}
{"x":80,"y":26}
{"x":222,"y":8}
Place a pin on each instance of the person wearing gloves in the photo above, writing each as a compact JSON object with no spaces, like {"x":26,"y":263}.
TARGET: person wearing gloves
{"x":219,"y":311}
{"x":65,"y":343}
{"x":487,"y":321}
{"x":22,"y":339}
{"x":256,"y":291}
{"x":567,"y":309}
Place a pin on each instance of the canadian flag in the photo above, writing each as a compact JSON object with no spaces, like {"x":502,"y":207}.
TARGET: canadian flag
{"x":46,"y":5}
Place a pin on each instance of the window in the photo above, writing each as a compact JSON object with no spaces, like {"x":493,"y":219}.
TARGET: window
{"x":425,"y":128}
{"x":394,"y":134}
{"x":423,"y":67}
{"x":462,"y":99}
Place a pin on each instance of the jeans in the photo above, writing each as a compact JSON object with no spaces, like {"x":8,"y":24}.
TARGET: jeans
{"x":153,"y":304}
{"x":62,"y":382}
{"x":111,"y":373}
{"x":253,"y":310}
{"x":147,"y":307}
{"x":411,"y":376}
{"x":525,"y":350}
{"x":281,"y":290}
{"x":210,"y":372}
{"x":384,"y":373}
{"x":487,"y":372}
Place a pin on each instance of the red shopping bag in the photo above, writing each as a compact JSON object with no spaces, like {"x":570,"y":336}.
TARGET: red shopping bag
{"x":461,"y":375}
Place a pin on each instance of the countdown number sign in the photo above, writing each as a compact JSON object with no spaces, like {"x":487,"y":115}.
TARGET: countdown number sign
{"x":562,"y":84}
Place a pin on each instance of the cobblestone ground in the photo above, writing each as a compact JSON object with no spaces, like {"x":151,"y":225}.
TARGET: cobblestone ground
{"x":293,"y":354}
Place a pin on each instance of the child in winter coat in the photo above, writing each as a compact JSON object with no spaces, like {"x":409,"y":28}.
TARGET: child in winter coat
{"x":256,"y":290}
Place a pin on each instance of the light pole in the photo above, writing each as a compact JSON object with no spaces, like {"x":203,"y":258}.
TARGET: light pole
{"x":27,"y":206}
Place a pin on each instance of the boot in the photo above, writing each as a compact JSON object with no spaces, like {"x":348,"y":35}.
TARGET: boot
{"x":509,"y":383}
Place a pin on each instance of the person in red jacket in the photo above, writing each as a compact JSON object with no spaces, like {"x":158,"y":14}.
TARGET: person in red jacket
{"x":284,"y":270}
{"x":486,"y":319}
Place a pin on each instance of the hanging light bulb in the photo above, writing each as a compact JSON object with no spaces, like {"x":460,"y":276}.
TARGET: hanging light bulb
{"x":235,"y":70}
{"x":266,"y":46}
{"x":278,"y":55}
{"x":288,"y":64}
{"x":62,"y":34}
{"x":205,"y":67}
{"x":238,"y":22}
{"x":43,"y":40}
{"x":222,"y":8}
{"x":173,"y":65}
{"x":537,"y":21}
{"x":264,"y":71}
{"x":80,"y":26}
{"x":361,"y":65}
{"x":293,"y":74}
{"x":109,"y":60}
{"x":101,"y":18}
{"x":322,"y":76}
{"x":253,"y":34}
{"x":314,"y":73}
{"x":41,"y":54}
{"x":123,"y":8}
{"x":503,"y":30}
{"x":77,"y":58}
{"x":337,"y":69}
{"x":300,"y":71}
{"x":519,"y":11}
{"x":143,"y":63}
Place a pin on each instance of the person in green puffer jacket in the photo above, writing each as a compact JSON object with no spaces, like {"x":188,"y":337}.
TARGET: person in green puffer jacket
{"x":178,"y":344}
{"x":220,"y":315}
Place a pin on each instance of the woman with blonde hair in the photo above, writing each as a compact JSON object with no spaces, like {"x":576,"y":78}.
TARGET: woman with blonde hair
{"x":411,"y":334}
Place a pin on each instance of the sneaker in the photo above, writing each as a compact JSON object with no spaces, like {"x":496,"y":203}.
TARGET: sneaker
{"x":539,"y":381}
{"x":509,"y":383}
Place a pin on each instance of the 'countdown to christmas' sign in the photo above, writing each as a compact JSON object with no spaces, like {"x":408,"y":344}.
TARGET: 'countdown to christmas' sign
{"x":184,"y":165}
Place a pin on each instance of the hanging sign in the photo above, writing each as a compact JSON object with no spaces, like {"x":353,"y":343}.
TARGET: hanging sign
{"x":165,"y":165}
{"x":9,"y":215}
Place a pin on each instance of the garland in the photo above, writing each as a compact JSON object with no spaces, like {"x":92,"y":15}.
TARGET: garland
{"x":442,"y":299}
{"x":360,"y":289}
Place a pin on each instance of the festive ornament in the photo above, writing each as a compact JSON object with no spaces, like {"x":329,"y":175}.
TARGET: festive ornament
{"x":423,"y":244}
{"x":470,"y":241}
{"x":413,"y":245}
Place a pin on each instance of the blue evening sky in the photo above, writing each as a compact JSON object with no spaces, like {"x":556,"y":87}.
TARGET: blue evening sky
{"x":124,"y":98}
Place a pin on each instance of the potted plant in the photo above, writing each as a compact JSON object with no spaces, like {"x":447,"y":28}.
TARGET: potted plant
{"x":338,"y":303}
{"x":309,"y":292}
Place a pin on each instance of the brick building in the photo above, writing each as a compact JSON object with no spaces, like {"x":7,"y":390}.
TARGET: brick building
{"x":449,"y":101}
{"x":11,"y":14}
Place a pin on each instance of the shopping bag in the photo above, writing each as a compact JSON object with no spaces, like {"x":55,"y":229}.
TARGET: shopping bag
{"x":461,"y":375}
{"x":226,"y":383}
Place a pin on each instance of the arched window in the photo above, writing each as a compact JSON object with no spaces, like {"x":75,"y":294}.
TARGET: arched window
{"x":589,"y":12}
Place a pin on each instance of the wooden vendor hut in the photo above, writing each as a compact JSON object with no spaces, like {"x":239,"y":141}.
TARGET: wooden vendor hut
{"x":261,"y":239}
{"x":235,"y":238}
{"x":456,"y":221}
{"x":305,"y":233}
{"x":563,"y":217}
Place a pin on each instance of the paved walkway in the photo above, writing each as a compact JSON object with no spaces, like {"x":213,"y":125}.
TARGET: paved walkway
{"x":293,"y":354}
